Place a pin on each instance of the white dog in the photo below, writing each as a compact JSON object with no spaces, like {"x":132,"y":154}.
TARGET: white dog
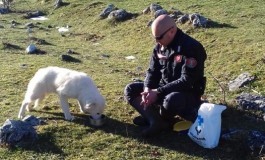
{"x":67,"y":84}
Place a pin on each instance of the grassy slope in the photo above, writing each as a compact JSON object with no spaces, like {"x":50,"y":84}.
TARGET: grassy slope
{"x":235,"y":45}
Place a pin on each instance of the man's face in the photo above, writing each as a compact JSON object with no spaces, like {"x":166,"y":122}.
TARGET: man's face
{"x":162,"y":37}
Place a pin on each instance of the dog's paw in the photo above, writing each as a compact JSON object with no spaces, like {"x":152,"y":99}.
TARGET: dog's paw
{"x":70,"y":118}
{"x":20,"y":116}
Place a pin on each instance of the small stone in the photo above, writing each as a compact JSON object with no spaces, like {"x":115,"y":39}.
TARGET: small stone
{"x":23,"y":66}
{"x":31,"y":49}
{"x":69,"y":51}
{"x":105,"y":55}
{"x":146,"y":10}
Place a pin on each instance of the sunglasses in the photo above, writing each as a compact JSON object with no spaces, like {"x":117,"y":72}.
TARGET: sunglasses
{"x":162,"y":35}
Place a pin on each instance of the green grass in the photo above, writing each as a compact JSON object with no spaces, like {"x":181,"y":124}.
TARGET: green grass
{"x":234,"y":45}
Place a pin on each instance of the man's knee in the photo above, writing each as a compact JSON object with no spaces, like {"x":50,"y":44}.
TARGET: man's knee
{"x":181,"y":104}
{"x":174,"y":101}
{"x":132,"y":91}
{"x":127,"y":92}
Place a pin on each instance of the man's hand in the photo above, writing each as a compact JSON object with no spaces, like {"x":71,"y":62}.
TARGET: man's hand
{"x":149,"y":97}
{"x":144,"y":95}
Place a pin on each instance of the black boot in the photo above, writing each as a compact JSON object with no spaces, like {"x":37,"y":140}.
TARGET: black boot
{"x":157,"y":124}
{"x":140,"y":121}
{"x":169,"y":117}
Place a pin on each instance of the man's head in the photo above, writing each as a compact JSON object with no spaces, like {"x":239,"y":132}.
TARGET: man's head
{"x":164,"y":29}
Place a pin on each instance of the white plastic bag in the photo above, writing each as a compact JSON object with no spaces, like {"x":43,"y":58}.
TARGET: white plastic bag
{"x":206,"y":130}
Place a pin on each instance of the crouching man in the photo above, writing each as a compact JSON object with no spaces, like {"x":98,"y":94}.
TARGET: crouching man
{"x":174,"y":81}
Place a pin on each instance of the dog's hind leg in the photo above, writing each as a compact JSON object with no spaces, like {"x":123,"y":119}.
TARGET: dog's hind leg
{"x":65,"y":108}
{"x":24,"y":105}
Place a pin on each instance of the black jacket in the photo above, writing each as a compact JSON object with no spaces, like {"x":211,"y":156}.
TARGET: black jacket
{"x":177,"y":68}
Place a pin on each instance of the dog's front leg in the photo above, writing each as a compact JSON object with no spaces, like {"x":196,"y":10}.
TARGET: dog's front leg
{"x":80,"y":106}
{"x":65,"y":108}
{"x":21,"y":113}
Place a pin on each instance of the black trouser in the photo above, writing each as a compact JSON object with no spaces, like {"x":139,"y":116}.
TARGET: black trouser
{"x":182,"y":104}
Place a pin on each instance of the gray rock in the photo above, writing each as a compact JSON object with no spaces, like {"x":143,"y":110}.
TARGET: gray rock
{"x":256,"y":141}
{"x":70,"y":51}
{"x":198,"y":20}
{"x":31,"y":49}
{"x":13,"y":22}
{"x":160,"y":12}
{"x":176,"y":14}
{"x":119,"y":15}
{"x":154,"y":8}
{"x":240,"y":81}
{"x":146,"y":10}
{"x":33,"y":121}
{"x":105,"y":55}
{"x":183,"y":19}
{"x":251,"y":102}
{"x":107,"y":10}
{"x":58,"y":3}
{"x":17,"y":133}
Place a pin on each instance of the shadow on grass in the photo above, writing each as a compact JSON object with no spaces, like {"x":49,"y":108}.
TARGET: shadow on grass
{"x":213,"y":24}
{"x":44,"y":144}
{"x":11,"y":46}
{"x":178,"y":141}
